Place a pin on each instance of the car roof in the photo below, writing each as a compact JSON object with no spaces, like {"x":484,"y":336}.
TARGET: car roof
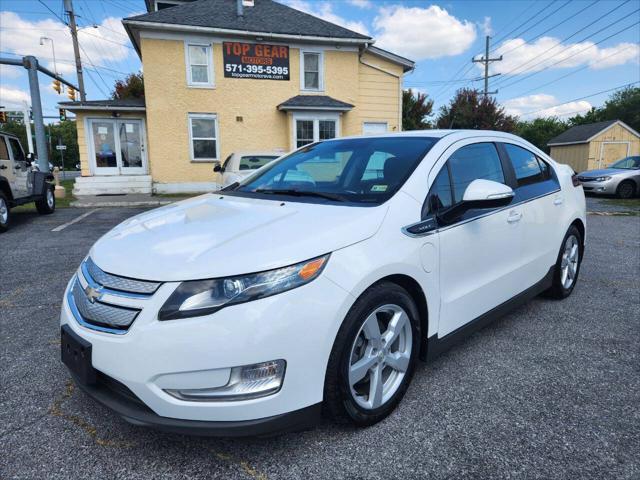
{"x":8,"y":134}
{"x":262,"y":153}
{"x":436,"y":133}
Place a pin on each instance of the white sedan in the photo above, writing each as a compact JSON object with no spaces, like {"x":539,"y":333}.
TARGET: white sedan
{"x":238,"y":165}
{"x":318,"y":282}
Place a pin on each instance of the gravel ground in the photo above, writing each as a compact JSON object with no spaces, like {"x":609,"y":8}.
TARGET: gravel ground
{"x":550,"y":391}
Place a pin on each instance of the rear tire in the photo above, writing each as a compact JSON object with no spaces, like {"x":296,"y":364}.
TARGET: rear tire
{"x":360,"y":361}
{"x":47,"y":204}
{"x":5,"y":213}
{"x":565,"y":275}
{"x":626,"y":189}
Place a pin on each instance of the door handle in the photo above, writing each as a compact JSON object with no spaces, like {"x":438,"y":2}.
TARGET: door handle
{"x":3,"y":167}
{"x":558,"y":201}
{"x":514,"y":217}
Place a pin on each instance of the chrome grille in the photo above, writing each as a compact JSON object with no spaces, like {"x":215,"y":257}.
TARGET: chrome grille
{"x":101,"y":314}
{"x":115,"y":282}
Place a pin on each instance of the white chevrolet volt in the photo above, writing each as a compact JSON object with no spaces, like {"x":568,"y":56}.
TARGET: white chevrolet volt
{"x":316,"y":284}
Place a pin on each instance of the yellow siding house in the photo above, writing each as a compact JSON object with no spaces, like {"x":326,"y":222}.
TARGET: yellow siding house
{"x":223,"y":76}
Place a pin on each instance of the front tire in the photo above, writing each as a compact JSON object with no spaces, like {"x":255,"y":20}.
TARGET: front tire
{"x":626,"y":189}
{"x":373,"y":357}
{"x":5,"y":213}
{"x":47,"y":204}
{"x":565,"y":275}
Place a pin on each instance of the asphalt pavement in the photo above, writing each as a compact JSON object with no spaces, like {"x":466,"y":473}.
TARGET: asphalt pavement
{"x":550,"y":391}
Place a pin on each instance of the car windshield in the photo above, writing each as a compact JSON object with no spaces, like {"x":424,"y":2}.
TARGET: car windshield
{"x":628,"y":163}
{"x":361,"y":170}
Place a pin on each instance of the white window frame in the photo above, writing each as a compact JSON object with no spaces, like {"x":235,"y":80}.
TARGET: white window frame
{"x":320,"y":54}
{"x":172,"y":2}
{"x":207,"y":116}
{"x":187,"y":57}
{"x":316,"y":118}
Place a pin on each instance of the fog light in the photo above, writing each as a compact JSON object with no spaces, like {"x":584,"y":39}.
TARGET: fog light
{"x":249,"y":381}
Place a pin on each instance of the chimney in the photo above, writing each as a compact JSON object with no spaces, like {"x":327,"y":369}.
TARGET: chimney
{"x":240,"y":10}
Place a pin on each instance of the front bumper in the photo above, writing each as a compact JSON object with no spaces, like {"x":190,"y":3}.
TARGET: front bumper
{"x":115,"y":397}
{"x":298,"y":326}
{"x":601,"y":188}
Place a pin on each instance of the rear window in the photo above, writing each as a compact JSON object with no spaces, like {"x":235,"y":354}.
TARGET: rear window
{"x":254,"y":162}
{"x":4,"y":153}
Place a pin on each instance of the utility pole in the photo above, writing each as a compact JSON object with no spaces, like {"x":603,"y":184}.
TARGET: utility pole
{"x":487,"y":60}
{"x":68,"y":7}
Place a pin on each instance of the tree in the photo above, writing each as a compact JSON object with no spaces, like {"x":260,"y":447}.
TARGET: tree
{"x":131,"y":87}
{"x":415,"y":110}
{"x":540,"y":130}
{"x":622,"y":105}
{"x":470,"y":109}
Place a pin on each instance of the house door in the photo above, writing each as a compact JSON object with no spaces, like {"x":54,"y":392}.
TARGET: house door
{"x":117,"y":147}
{"x":612,"y":152}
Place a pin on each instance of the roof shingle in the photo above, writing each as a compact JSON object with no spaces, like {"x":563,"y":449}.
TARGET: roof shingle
{"x":309,"y":102}
{"x":266,"y":16}
{"x":581,"y":133}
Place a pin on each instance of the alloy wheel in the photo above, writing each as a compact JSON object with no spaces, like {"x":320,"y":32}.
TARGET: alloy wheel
{"x":380,"y":356}
{"x":4,"y":211}
{"x":569,"y":263}
{"x":50,"y":198}
{"x":625,"y":190}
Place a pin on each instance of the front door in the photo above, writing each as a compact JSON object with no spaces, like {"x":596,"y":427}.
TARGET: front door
{"x":480,"y":252}
{"x":21,"y":186}
{"x":117,"y":147}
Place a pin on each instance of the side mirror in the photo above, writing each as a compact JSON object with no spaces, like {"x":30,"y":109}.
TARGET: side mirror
{"x":30,"y":158}
{"x":479,"y":194}
{"x":218,"y":168}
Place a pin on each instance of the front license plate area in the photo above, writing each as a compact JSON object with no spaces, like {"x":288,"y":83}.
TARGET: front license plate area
{"x":76,"y":355}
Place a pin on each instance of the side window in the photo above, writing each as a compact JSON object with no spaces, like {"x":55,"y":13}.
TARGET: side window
{"x":16,"y":149}
{"x":528,"y":168}
{"x":253,"y":162}
{"x":440,"y":195}
{"x":476,"y":161}
{"x":4,"y":153}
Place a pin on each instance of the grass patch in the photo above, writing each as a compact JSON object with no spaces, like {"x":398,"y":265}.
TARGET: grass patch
{"x":60,"y":202}
{"x":631,"y":203}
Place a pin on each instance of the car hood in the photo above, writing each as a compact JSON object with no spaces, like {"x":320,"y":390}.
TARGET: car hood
{"x":215,"y":236}
{"x":602,"y":172}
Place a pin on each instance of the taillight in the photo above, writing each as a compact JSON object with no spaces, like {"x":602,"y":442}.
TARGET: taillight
{"x":575,"y":180}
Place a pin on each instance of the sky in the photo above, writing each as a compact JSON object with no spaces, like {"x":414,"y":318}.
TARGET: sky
{"x":559,"y":57}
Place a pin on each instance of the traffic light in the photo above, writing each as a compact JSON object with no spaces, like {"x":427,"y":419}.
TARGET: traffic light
{"x":3,"y":117}
{"x":63,"y":115}
{"x":71,"y":93}
{"x":57,"y":86}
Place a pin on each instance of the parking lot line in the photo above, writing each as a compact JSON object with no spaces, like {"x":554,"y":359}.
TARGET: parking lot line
{"x":75,"y":220}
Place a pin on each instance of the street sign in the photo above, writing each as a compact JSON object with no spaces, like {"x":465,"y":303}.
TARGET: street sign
{"x":61,"y":147}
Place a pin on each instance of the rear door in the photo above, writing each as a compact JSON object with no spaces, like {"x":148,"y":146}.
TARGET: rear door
{"x":6,"y":165}
{"x":537,"y":191}
{"x":479,"y":253}
{"x":21,"y":187}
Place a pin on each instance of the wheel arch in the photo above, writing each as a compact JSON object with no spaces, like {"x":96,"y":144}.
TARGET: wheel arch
{"x":579,"y":224}
{"x":416,"y":292}
{"x":6,"y":189}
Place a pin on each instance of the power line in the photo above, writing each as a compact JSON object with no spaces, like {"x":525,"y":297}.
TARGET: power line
{"x":568,"y":74}
{"x":54,"y":13}
{"x":565,"y":39}
{"x":581,"y":98}
{"x":570,"y":56}
{"x":525,"y":22}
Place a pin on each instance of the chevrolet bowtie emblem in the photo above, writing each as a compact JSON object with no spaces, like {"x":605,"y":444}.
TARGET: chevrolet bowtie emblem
{"x":93,"y":294}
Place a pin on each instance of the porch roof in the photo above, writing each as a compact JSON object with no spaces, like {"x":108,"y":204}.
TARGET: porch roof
{"x":315,"y":102}
{"x":124,"y":104}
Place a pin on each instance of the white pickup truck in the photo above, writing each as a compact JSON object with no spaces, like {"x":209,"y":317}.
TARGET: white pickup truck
{"x":21,"y":182}
{"x":240,"y":164}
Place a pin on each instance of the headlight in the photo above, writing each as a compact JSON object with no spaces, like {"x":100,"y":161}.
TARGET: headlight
{"x":202,"y":297}
{"x":601,"y":179}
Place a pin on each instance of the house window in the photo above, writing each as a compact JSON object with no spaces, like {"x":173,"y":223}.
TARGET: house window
{"x":199,"y":65}
{"x":309,"y":130}
{"x":311,"y":71}
{"x":203,"y":133}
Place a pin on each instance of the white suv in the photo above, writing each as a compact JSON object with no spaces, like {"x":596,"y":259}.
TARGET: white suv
{"x":318,"y":281}
{"x":20,"y":183}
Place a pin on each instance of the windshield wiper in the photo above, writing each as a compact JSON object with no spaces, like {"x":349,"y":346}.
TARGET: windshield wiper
{"x":300,"y":193}
{"x":230,"y":187}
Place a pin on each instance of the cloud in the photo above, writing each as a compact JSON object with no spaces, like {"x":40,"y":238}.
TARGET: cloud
{"x":10,"y":71}
{"x":486,"y":26}
{"x":360,"y":3}
{"x":421,"y":33}
{"x":543,"y":106}
{"x":517,"y":52}
{"x":13,"y":97}
{"x":102,"y":45}
{"x":324,"y":10}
